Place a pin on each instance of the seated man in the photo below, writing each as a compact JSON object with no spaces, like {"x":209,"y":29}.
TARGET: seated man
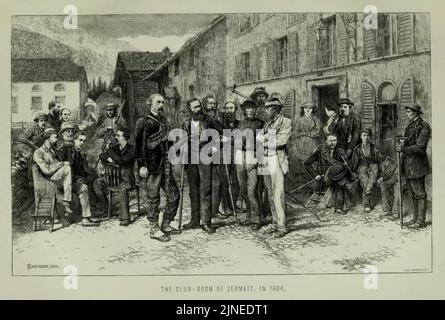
{"x":79,"y":174}
{"x":122,"y":154}
{"x":51,"y":167}
{"x":365,"y":159}
{"x":331,"y":170}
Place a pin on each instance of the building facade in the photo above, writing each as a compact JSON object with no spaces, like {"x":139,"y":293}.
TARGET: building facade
{"x":314,"y":57}
{"x":132,"y":69}
{"x":35,"y":82}
{"x":196,"y":70}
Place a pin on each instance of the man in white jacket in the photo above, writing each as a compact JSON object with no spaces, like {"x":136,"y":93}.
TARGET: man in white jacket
{"x":275,"y":164}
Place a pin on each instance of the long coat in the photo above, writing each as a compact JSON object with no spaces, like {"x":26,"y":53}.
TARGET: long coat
{"x":415,"y":159}
{"x":283,"y":131}
{"x":347,"y":130}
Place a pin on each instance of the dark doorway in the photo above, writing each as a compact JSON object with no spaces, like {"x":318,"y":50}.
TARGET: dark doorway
{"x":386,"y":125}
{"x":325,"y":96}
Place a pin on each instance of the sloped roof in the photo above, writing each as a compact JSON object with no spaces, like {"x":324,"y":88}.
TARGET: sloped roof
{"x":46,"y":70}
{"x":141,"y":60}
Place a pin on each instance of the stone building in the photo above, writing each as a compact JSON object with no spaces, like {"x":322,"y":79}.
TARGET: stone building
{"x":321,"y":57}
{"x":197,"y":69}
{"x":130,"y":75}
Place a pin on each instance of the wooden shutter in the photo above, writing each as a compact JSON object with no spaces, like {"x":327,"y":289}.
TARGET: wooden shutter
{"x":292,"y":40}
{"x":343,"y":42}
{"x":406,"y":97}
{"x":289,"y":104}
{"x":368,"y":104}
{"x":255,"y":19}
{"x":238,"y":68}
{"x":270,"y":61}
{"x":254,"y":63}
{"x":369,"y":43}
{"x":311,"y":43}
{"x":405,"y":35}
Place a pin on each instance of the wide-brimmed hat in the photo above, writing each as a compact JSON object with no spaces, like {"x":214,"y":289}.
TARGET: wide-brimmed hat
{"x":66,"y":126}
{"x":111,"y":106}
{"x":40,"y":115}
{"x":368,"y":131}
{"x":257,"y":91}
{"x":336,"y":172}
{"x":248,"y":103}
{"x":345,"y":101}
{"x":309,"y":105}
{"x":48,"y":132}
{"x":414,"y":107}
{"x":273,"y":102}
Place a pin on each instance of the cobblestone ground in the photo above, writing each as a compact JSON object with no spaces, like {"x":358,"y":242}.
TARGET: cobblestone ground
{"x":338,"y":244}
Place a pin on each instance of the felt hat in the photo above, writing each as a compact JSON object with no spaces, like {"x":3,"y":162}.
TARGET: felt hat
{"x":336,"y":172}
{"x":345,"y":101}
{"x":273,"y":102}
{"x":48,"y":132}
{"x":66,"y":126}
{"x":257,"y":91}
{"x":414,"y":107}
{"x":248,"y":103}
{"x":40,"y":115}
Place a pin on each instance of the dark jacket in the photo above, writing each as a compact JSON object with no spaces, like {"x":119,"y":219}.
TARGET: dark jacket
{"x":359,"y":158}
{"x":415,"y":159}
{"x":320,"y":160}
{"x":54,"y":121}
{"x":345,"y":128}
{"x":78,"y":163}
{"x":35,"y":135}
{"x":207,"y":122}
{"x":254,"y":125}
{"x":124,"y":158}
{"x":151,"y":142}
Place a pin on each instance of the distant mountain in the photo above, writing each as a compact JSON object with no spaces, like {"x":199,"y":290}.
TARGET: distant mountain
{"x":45,"y":37}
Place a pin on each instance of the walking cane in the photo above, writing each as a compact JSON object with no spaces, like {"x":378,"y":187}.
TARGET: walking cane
{"x":181,"y":201}
{"x":401,"y":141}
{"x":230,"y":186}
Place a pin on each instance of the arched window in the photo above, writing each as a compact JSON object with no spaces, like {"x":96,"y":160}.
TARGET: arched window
{"x":59,"y":87}
{"x":36,"y":88}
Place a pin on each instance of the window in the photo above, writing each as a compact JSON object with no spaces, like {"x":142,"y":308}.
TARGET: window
{"x":59,"y":87}
{"x":383,"y":35}
{"x":247,"y":21}
{"x":326,"y":43}
{"x":36,"y":103}
{"x":293,"y":18}
{"x":60,"y":99}
{"x":245,"y":66}
{"x":281,"y":56}
{"x":36,"y":88}
{"x":176,"y":67}
{"x":14,"y":105}
{"x":191,"y":58}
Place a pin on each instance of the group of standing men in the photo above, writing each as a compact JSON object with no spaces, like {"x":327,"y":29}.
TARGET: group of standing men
{"x":345,"y":157}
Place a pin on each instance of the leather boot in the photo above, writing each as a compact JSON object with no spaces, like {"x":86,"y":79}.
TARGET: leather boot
{"x":157,"y":234}
{"x":422,"y":212}
{"x":415,"y":214}
{"x":168,"y":229}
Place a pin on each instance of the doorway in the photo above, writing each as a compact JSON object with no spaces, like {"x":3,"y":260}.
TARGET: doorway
{"x":323,"y":96}
{"x":386,"y":125}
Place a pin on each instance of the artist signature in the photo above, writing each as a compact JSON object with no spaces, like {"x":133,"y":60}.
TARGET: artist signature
{"x":30,"y":266}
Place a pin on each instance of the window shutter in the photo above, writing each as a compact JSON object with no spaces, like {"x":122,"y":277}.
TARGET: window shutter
{"x":368,"y":103}
{"x":405,"y":40}
{"x":270,"y":59}
{"x":406,"y":97}
{"x":254,"y":64}
{"x":369,"y":43}
{"x":255,"y":19}
{"x":289,"y":104}
{"x":238,"y":68}
{"x":311,"y":42}
{"x":292,"y":40}
{"x":343,"y":42}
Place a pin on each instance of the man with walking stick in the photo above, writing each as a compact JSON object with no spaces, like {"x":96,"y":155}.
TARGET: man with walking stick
{"x":151,"y":136}
{"x":414,"y":164}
